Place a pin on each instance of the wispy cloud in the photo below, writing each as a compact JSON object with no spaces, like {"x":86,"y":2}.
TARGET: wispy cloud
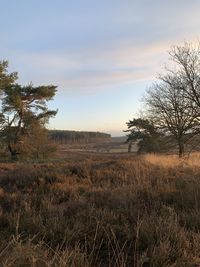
{"x":95,"y":69}
{"x":91,"y":46}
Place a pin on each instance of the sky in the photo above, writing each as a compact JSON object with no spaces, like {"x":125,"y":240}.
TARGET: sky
{"x":102,"y":54}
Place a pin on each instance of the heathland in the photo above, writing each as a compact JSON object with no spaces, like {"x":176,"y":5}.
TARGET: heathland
{"x":101,"y":209}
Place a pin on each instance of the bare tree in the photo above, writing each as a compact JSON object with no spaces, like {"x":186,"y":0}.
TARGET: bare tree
{"x":173,"y":102}
{"x":172,"y":112}
{"x":186,"y":71}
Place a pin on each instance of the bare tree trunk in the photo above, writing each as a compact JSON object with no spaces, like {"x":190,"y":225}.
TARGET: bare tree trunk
{"x":181,"y":148}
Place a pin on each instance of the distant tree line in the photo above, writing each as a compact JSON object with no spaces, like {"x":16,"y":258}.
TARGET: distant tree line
{"x":172,"y":106}
{"x":66,"y":137}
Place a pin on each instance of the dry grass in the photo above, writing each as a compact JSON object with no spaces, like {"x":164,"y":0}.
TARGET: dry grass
{"x":193,"y":160}
{"x":101,"y":210}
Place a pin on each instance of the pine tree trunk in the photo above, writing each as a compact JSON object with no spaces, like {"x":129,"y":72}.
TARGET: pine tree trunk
{"x":13,"y":153}
{"x":129,"y":147}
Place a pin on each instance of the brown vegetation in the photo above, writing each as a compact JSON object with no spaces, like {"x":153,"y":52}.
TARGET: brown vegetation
{"x":101,"y":211}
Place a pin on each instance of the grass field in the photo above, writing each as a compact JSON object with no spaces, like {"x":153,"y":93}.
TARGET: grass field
{"x":92,"y":210}
{"x":112,"y":145}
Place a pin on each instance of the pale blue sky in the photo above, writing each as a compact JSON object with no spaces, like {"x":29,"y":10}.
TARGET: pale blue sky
{"x":102,"y":54}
